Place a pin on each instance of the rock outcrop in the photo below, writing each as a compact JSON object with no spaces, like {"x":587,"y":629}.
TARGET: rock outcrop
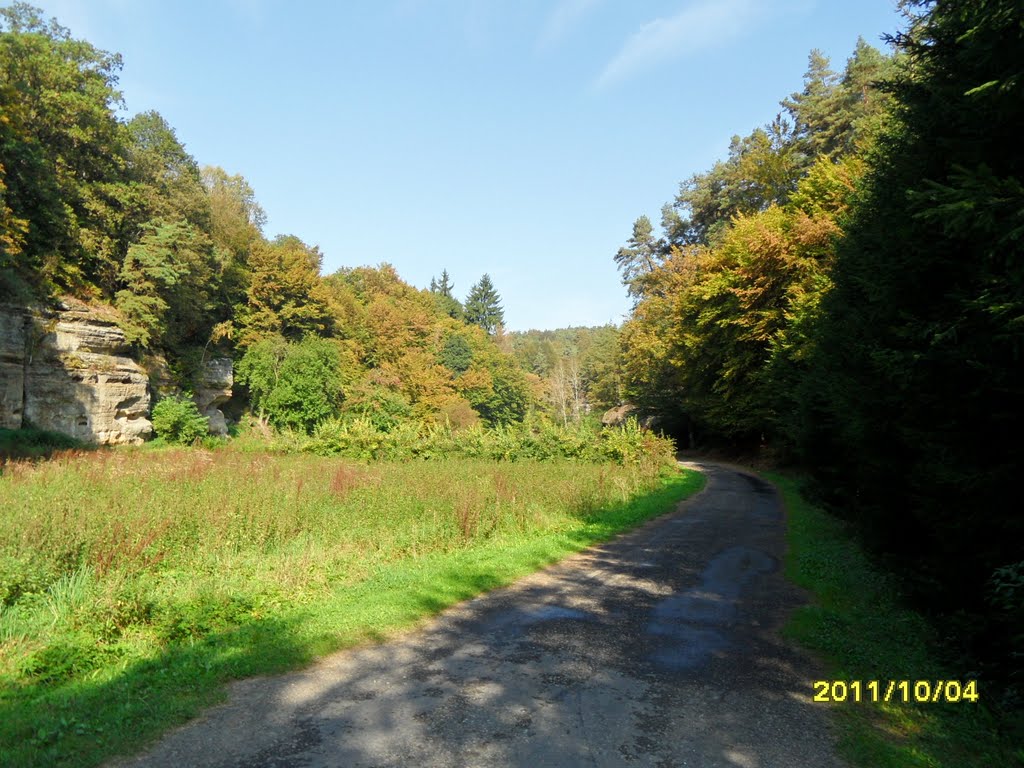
{"x":617,"y":416}
{"x":67,"y":370}
{"x":213,"y":389}
{"x":12,"y":366}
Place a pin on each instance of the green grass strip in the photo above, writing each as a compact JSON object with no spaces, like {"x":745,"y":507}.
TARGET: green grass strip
{"x":856,"y":623}
{"x":118,"y":710}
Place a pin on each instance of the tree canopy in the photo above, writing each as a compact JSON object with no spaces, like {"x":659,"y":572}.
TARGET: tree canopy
{"x":116,"y":211}
{"x":846,"y":289}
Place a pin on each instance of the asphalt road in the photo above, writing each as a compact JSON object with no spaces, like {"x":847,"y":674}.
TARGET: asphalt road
{"x":660,"y":648}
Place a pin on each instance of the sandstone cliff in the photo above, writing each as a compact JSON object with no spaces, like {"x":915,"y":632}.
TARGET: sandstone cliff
{"x":213,"y":389}
{"x":12,"y":366}
{"x":67,"y":370}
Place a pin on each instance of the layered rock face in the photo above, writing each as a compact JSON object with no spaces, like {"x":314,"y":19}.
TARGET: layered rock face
{"x":74,"y":373}
{"x":12,"y":366}
{"x":213,"y":389}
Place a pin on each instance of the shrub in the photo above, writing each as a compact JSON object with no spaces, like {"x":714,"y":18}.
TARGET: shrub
{"x":176,"y":419}
{"x":361,"y":438}
{"x":384,"y":408}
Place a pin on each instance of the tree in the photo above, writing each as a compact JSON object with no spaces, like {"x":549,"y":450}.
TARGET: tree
{"x":483,"y":306}
{"x":177,"y":420}
{"x":813,"y":108}
{"x":912,"y":397}
{"x":833,"y":113}
{"x":565,"y":389}
{"x":236,"y":219}
{"x":65,"y":152}
{"x":444,"y":286}
{"x":506,"y":399}
{"x":443,"y":290}
{"x":236,"y":228}
{"x":167,"y":271}
{"x":168,"y":184}
{"x":639,"y":257}
{"x":12,"y":240}
{"x":456,"y":354}
{"x":293,"y":385}
{"x":285,"y":295}
{"x":602,"y":371}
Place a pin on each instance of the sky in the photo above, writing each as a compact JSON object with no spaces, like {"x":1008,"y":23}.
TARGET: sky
{"x":518,"y":138}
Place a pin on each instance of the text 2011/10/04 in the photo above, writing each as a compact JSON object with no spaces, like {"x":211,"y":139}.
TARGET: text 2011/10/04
{"x":905,"y":691}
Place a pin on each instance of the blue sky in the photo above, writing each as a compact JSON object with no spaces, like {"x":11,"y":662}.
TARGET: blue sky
{"x":515,"y":137}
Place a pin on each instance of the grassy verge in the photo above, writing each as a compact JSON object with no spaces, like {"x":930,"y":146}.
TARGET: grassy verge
{"x":133,"y":584}
{"x":855,"y":621}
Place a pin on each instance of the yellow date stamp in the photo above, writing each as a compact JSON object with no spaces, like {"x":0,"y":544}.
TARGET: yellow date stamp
{"x":896,"y":691}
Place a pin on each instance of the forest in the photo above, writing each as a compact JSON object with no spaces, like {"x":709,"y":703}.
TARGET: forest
{"x":845,"y":292}
{"x":841,"y":296}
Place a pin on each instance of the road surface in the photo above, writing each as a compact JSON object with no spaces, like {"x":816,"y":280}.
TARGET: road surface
{"x":660,"y":648}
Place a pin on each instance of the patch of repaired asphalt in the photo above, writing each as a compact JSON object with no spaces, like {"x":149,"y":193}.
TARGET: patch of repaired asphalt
{"x":658,"y":648}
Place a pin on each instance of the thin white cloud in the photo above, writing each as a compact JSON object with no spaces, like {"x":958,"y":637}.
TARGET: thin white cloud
{"x":564,"y":16}
{"x":701,"y":25}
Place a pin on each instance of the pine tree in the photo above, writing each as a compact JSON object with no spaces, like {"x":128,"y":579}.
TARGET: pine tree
{"x":639,"y":257}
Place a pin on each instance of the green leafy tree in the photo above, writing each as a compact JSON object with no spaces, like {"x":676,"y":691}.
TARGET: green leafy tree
{"x":285,"y":296}
{"x":506,"y":400}
{"x":380,"y":406}
{"x":483,"y":306}
{"x":166,"y":177}
{"x":166,"y":271}
{"x":456,"y":354}
{"x":293,"y":385}
{"x":12,"y":240}
{"x":63,"y":150}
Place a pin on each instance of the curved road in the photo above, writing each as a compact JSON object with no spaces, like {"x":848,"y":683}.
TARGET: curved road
{"x":659,"y":648}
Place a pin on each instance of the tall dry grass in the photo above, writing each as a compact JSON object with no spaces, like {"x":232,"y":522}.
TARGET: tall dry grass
{"x":166,"y":544}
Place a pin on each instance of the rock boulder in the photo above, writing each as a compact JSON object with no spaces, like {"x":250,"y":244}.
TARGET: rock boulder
{"x":213,"y":389}
{"x":618,"y":415}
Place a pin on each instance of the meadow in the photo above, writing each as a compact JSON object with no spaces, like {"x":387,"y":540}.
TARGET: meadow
{"x":133,"y":583}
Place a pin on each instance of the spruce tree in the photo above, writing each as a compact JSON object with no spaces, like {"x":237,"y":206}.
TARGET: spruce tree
{"x":483,"y":306}
{"x":444,"y":291}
